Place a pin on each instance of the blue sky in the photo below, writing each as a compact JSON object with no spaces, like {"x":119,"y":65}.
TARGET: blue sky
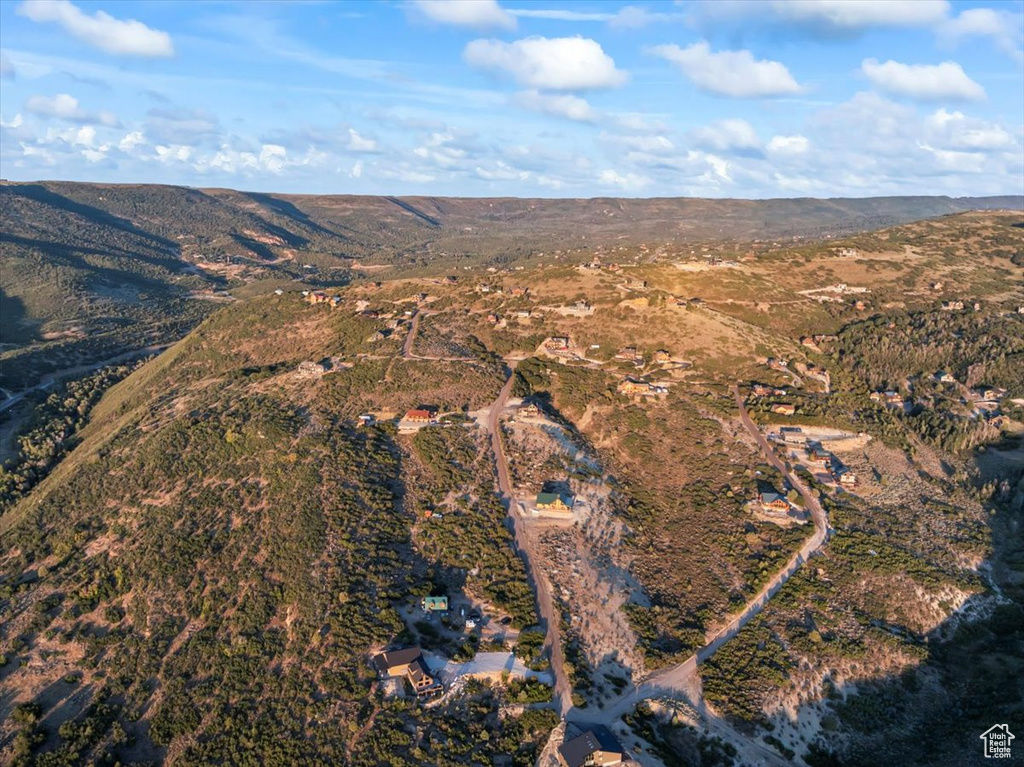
{"x":519,"y":97}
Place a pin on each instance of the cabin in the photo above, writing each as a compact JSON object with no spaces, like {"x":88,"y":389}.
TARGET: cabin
{"x":553,"y":502}
{"x":632,"y":386}
{"x":434,"y":604}
{"x":784,"y":409}
{"x":367,"y":419}
{"x":627,"y":353}
{"x":396,"y":662}
{"x":662,"y":356}
{"x":773,"y":503}
{"x":317,"y":297}
{"x":407,"y":663}
{"x":419,"y":415}
{"x":594,"y":747}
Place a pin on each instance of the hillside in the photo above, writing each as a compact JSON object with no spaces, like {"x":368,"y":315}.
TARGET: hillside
{"x":241,"y":523}
{"x":95,"y":270}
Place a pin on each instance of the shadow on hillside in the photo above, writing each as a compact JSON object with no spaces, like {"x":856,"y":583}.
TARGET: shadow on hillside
{"x":290,"y":211}
{"x":16,"y":326}
{"x":971,"y":678}
{"x":409,"y":208}
{"x":41,"y":194}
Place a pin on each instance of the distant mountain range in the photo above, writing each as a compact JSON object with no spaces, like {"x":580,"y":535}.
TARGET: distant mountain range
{"x":91,"y":270}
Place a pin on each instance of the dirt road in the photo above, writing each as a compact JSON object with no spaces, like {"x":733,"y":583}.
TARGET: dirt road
{"x":48,"y":380}
{"x":683,"y":680}
{"x":525,"y":545}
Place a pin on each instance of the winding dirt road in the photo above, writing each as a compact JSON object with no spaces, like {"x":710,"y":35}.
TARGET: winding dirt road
{"x":410,"y":338}
{"x":683,"y":680}
{"x":549,"y":617}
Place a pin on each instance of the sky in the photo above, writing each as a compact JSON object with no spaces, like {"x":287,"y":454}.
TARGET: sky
{"x":526,"y":98}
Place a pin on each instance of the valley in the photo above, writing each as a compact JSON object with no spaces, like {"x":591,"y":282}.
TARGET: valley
{"x":667,"y":492}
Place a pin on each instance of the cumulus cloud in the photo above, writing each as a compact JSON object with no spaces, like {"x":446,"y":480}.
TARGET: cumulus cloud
{"x":541,"y":63}
{"x":862,"y":14}
{"x":1003,"y":28}
{"x":100,"y":30}
{"x":788,"y":145}
{"x":357,"y":143}
{"x":558,"y":104}
{"x":957,"y":131}
{"x":628,"y":182}
{"x":923,"y":81}
{"x":736,"y":74}
{"x":63,"y":106}
{"x":727,"y":135}
{"x":477,"y":14}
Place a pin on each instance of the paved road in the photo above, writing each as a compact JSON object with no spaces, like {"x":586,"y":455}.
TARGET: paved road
{"x":48,"y":380}
{"x":683,"y":680}
{"x":549,"y":617}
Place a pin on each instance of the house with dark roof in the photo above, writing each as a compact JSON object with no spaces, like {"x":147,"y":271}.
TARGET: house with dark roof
{"x":773,"y":502}
{"x":408,"y":663}
{"x":594,"y":747}
{"x":396,"y":662}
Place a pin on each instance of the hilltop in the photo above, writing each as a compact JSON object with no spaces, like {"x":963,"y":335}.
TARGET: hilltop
{"x":609,"y":460}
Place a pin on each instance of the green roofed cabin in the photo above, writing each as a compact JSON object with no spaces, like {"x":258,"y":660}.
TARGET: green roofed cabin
{"x":434,"y":604}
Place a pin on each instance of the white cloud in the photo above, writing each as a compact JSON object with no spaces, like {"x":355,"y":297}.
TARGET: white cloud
{"x":130,"y":141}
{"x":736,"y":74}
{"x":629,"y":182}
{"x":635,"y":17}
{"x":922,"y":81}
{"x":788,"y":145}
{"x":1005,"y":29}
{"x":357,"y":143}
{"x":477,"y":14}
{"x":559,"y":14}
{"x":7,"y":68}
{"x":861,"y":14}
{"x":639,"y":123}
{"x":100,"y":30}
{"x":63,"y":106}
{"x":559,"y":104}
{"x":273,"y":157}
{"x":559,"y":63}
{"x":956,"y":131}
{"x":357,"y":169}
{"x":647,"y":144}
{"x":724,"y":135}
{"x":14,"y":122}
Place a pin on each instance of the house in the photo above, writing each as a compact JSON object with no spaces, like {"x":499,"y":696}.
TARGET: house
{"x":846,"y":477}
{"x":407,"y":663}
{"x":554,"y":502}
{"x":557,"y":342}
{"x":990,"y":392}
{"x":784,"y":409}
{"x":317,"y":297}
{"x":528,"y":410}
{"x":773,"y":503}
{"x":419,"y":415}
{"x":396,"y":662}
{"x":595,"y":746}
{"x":662,"y":356}
{"x":809,"y":342}
{"x":631,"y":386}
{"x":627,"y":353}
{"x":434,"y":604}
{"x":519,"y":292}
{"x":523,"y":314}
{"x":367,"y":419}
{"x":890,"y":398}
{"x":777,"y":363}
{"x":817,"y":455}
{"x":952,"y":306}
{"x":944,"y":377}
